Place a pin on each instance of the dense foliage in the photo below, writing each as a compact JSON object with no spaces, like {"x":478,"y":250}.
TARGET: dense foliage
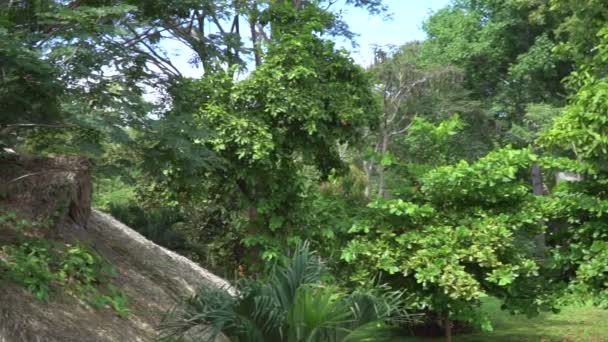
{"x":467,"y":165}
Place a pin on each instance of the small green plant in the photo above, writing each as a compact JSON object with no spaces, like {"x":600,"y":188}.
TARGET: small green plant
{"x":39,"y":265}
{"x":86,"y":272}
{"x":82,"y":266}
{"x":114,"y":298}
{"x":29,"y":264}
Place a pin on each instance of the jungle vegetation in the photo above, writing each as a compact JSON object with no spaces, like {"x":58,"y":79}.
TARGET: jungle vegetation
{"x":472,"y":164}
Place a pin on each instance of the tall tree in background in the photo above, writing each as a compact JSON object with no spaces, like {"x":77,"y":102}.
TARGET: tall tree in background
{"x":581,"y":132}
{"x":223,"y":33}
{"x":504,"y":49}
{"x":411,"y":87}
{"x":287,"y":116}
{"x":506,"y":52}
{"x":86,"y":64}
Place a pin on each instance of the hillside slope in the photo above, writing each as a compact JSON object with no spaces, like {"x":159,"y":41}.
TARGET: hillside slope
{"x":152,"y":278}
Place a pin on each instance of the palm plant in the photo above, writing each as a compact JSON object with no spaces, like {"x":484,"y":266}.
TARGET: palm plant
{"x":291,"y":304}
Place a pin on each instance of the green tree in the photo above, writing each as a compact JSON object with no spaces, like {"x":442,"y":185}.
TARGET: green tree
{"x":505,"y":51}
{"x":580,"y":132}
{"x":463,"y":232}
{"x":410,"y":87}
{"x":405,"y":87}
{"x":285,"y":117}
{"x":64,"y":76}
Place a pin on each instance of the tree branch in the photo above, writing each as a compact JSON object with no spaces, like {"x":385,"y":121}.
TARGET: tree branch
{"x":11,"y":127}
{"x":404,"y":128}
{"x":153,"y":53}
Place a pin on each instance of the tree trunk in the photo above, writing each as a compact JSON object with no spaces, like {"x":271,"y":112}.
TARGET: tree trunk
{"x":448,"y":328}
{"x":253,"y":228}
{"x":297,"y":4}
{"x":257,"y":51}
{"x":538,"y":189}
{"x":252,"y":253}
{"x":537,"y":180}
{"x":381,"y":180}
{"x":368,"y":168}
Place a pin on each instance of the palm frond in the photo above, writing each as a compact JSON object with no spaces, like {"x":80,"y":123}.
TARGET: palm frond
{"x":318,"y":314}
{"x":304,"y":267}
{"x":380,"y":303}
{"x":208,"y":313}
{"x":291,"y":304}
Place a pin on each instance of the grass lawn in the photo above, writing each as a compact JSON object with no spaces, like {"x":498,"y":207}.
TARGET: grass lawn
{"x":572,"y":324}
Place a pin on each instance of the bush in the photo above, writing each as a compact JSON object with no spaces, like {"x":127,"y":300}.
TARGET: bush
{"x":290,"y":304}
{"x":156,"y":224}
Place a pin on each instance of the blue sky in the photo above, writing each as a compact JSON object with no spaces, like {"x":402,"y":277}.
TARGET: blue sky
{"x":405,"y":25}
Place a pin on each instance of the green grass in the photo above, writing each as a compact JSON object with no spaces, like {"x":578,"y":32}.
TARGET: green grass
{"x":572,"y":324}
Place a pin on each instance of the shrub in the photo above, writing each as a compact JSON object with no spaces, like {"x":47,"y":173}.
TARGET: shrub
{"x":290,"y":304}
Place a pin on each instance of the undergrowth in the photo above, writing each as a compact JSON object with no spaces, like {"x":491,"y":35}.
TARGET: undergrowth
{"x":43,"y":266}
